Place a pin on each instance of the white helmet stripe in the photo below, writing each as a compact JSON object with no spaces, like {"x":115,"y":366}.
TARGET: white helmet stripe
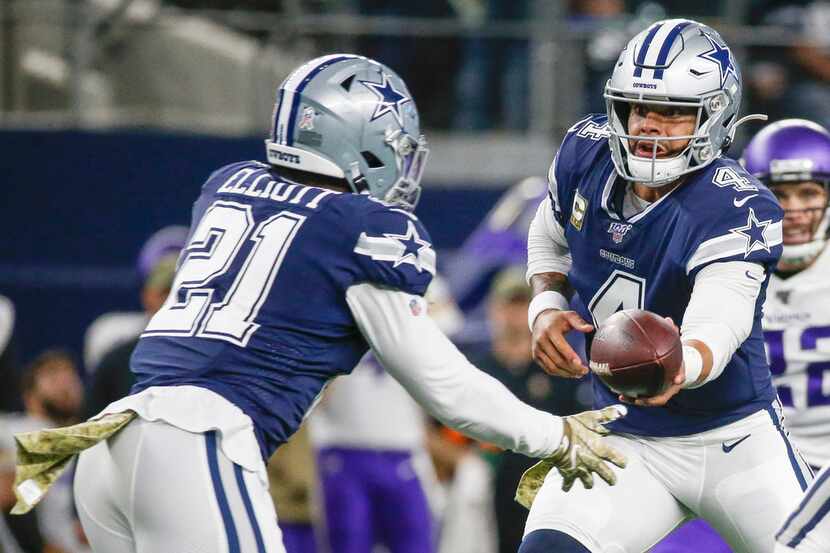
{"x":641,"y":55}
{"x":657,"y":44}
{"x":666,"y":48}
{"x":278,"y":130}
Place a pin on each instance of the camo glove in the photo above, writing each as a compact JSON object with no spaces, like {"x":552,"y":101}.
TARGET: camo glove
{"x":581,"y":452}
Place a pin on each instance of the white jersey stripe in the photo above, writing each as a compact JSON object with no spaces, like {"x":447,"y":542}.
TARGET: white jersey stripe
{"x":382,"y":248}
{"x":728,"y":245}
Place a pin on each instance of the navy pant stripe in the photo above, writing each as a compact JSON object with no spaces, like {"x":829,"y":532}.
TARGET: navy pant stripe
{"x":641,"y":55}
{"x":815,"y":518}
{"x":790,"y":452}
{"x":221,"y":497}
{"x":249,"y":508}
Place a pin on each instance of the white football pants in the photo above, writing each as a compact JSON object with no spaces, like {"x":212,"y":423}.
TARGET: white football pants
{"x":742,"y":478}
{"x":154,"y":488}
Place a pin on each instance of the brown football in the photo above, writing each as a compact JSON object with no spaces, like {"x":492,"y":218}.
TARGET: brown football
{"x":636,"y":352}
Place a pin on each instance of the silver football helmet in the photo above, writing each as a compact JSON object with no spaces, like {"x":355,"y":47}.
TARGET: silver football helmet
{"x":680,"y":63}
{"x":350,"y":117}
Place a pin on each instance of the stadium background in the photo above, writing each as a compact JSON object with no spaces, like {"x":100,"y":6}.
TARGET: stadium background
{"x":113,"y":112}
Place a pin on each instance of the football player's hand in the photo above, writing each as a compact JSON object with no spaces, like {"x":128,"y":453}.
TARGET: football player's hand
{"x":583,"y":450}
{"x":549,"y":347}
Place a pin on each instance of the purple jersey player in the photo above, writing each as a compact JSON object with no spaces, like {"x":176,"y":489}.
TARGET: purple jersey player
{"x":792,"y":157}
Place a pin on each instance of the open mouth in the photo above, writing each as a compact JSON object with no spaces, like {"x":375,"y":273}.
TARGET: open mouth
{"x":797,"y":235}
{"x":645,"y":148}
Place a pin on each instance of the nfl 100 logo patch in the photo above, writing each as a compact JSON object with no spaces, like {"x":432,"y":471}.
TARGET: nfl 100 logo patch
{"x":618,"y":231}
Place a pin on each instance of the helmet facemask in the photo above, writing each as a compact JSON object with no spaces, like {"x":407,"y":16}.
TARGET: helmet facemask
{"x":654,"y":171}
{"x":410,"y":159}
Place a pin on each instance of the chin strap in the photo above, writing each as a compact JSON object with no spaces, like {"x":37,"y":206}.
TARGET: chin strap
{"x":730,"y":137}
{"x":800,"y":255}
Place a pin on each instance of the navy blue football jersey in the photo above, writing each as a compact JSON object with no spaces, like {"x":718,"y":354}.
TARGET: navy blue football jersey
{"x":649,"y":261}
{"x":258,"y":310}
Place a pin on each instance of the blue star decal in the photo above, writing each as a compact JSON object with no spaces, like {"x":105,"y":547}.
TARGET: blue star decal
{"x":722,"y":57}
{"x":390,"y":100}
{"x":753,"y":232}
{"x":412,"y":244}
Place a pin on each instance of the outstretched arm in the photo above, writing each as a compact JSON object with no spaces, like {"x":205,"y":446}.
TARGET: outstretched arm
{"x":413,"y":350}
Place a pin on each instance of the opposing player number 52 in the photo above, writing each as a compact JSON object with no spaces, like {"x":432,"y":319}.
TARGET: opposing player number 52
{"x":620,"y":291}
{"x":191,"y":308}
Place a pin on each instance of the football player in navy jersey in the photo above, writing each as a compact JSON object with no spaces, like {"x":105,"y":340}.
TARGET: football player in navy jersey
{"x":645,"y":212}
{"x":292,"y":271}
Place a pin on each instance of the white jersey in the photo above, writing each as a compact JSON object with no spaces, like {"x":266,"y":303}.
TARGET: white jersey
{"x":367,"y":409}
{"x":797,"y":333}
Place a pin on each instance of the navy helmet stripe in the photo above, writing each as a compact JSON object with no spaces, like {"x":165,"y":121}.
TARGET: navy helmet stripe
{"x":275,"y":130}
{"x":790,"y":452}
{"x":641,"y":55}
{"x":249,"y":508}
{"x":221,"y":497}
{"x":666,"y":48}
{"x":295,"y":104}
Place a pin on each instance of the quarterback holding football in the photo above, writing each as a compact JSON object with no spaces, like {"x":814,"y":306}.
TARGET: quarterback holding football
{"x":645,"y":212}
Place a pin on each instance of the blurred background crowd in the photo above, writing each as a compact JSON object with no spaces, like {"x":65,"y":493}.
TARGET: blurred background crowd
{"x":112,"y":114}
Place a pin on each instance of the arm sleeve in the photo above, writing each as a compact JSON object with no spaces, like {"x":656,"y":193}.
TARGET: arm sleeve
{"x":414,"y":351}
{"x":547,"y":247}
{"x":721,"y":310}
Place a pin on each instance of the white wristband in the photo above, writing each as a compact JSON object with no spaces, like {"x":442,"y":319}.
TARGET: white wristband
{"x":544,"y":301}
{"x":693,"y":364}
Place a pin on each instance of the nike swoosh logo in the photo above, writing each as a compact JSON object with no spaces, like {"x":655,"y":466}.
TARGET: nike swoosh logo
{"x":742,"y":201}
{"x":729,"y":447}
{"x":749,"y":276}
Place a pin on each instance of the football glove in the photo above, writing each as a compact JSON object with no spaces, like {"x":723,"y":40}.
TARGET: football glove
{"x":581,"y":452}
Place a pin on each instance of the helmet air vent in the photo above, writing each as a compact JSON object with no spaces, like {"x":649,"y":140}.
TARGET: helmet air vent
{"x":372,"y":160}
{"x":347,"y":83}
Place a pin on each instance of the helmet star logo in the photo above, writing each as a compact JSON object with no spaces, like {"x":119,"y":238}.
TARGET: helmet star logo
{"x":721,"y":56}
{"x":412,"y":244}
{"x":390,"y":100}
{"x":753,"y":232}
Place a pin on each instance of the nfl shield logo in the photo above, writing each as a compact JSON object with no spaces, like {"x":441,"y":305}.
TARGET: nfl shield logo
{"x":618,"y":231}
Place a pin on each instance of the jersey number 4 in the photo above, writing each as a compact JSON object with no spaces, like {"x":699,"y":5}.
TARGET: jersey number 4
{"x":620,"y":291}
{"x":191,"y":308}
